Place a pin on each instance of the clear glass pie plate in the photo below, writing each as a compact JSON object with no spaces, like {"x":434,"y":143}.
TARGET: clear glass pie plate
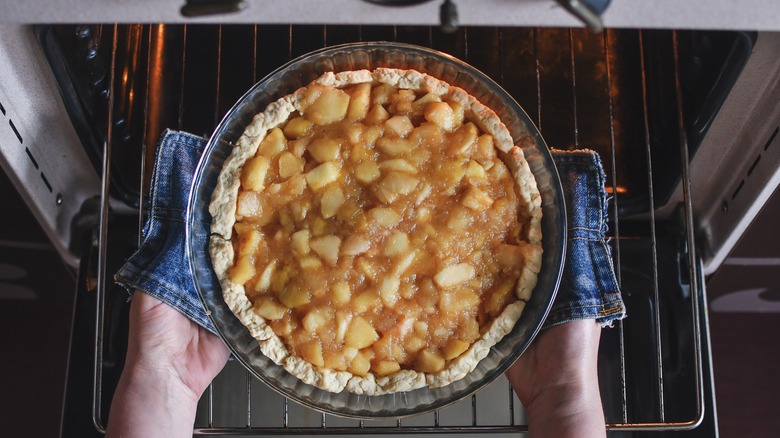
{"x":299,"y":73}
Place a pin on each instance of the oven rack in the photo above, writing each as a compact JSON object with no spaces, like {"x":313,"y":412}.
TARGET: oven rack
{"x":624,"y":420}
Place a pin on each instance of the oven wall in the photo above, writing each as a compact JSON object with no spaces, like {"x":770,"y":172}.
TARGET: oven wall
{"x":36,"y":311}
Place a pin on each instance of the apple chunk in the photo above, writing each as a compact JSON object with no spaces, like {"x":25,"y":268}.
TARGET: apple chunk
{"x":367,"y":172}
{"x":355,"y":244}
{"x":317,"y":319}
{"x":273,"y":143}
{"x":360,"y":334}
{"x":429,"y":362}
{"x":327,"y":247}
{"x":325,"y":149}
{"x":300,"y":242}
{"x":386,"y":367}
{"x":332,"y":199}
{"x":395,"y":184}
{"x":243,"y":270}
{"x":312,"y":353}
{"x":359,"y":365}
{"x":254,"y":172}
{"x":269,"y":309}
{"x":289,"y":165}
{"x":400,"y":126}
{"x":394,"y":147}
{"x":454,"y":275}
{"x":441,"y":114}
{"x":458,"y":300}
{"x":396,"y":244}
{"x":477,"y":199}
{"x":358,"y":104}
{"x":297,"y":127}
{"x":330,"y":107}
{"x":322,"y":175}
{"x":454,"y":348}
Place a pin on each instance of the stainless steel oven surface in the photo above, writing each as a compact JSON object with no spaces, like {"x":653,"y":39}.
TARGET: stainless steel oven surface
{"x":665,"y":109}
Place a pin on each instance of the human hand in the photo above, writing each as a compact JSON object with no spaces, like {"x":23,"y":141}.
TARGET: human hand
{"x":163,"y":341}
{"x":170,"y":362}
{"x":556,"y":379}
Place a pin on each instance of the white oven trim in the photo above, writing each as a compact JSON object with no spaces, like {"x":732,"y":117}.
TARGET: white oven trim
{"x":668,"y":14}
{"x":39,"y":149}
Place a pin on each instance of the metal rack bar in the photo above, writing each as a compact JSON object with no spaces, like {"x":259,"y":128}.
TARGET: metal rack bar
{"x":653,"y":236}
{"x":574,"y":89}
{"x":538,"y":81}
{"x":689,"y":225}
{"x":248,"y":399}
{"x":383,"y":430}
{"x":97,"y":418}
{"x":511,"y":405}
{"x":474,"y":427}
{"x":141,"y":188}
{"x":616,"y":223}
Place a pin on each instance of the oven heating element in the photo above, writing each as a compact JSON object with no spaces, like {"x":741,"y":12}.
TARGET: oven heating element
{"x":571,"y":86}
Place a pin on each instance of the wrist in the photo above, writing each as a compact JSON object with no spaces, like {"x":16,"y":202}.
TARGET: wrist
{"x":567,"y":410}
{"x":150,"y":402}
{"x":160,"y":383}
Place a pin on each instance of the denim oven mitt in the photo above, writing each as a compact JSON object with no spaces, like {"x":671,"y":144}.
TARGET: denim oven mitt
{"x":160,"y":267}
{"x":588,"y":288}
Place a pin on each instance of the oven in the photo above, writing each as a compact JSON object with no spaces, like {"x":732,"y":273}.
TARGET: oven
{"x":684,"y":120}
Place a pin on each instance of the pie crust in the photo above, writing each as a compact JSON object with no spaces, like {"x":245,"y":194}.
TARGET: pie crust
{"x":223,"y":210}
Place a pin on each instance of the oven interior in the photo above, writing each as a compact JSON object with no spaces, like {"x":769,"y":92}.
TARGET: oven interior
{"x":642,"y":99}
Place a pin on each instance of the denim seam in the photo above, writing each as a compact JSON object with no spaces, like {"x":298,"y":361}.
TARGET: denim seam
{"x":611,"y":273}
{"x":585,"y":239}
{"x":591,"y":250}
{"x":167,"y":218}
{"x":614,"y":305}
{"x":195,"y":316}
{"x":584,"y":229}
{"x":610,"y":310}
{"x":172,"y":293}
{"x":154,"y":228}
{"x":156,"y":173}
{"x":155,"y":183}
{"x":179,"y":210}
{"x":141,"y":274}
{"x":600,"y":321}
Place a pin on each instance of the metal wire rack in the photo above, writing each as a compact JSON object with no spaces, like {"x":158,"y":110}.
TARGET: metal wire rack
{"x":570,"y":85}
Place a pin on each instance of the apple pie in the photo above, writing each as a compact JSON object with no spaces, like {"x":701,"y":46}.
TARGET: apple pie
{"x":376,"y":231}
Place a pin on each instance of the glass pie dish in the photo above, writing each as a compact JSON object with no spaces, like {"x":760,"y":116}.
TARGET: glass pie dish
{"x":299,"y":73}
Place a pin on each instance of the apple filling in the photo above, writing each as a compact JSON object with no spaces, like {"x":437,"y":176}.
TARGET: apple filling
{"x":377,"y":230}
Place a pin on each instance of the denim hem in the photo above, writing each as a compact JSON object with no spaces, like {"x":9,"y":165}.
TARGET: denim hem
{"x":133,"y":281}
{"x":605,"y":314}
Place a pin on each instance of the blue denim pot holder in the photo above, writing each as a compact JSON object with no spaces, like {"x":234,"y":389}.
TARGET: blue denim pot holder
{"x":160,"y":267}
{"x":588,"y":287}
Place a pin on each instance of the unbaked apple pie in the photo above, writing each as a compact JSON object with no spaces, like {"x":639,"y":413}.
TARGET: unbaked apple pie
{"x":376,"y":231}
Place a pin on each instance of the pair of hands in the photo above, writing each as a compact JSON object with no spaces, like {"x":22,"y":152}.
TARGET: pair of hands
{"x":171,"y":361}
